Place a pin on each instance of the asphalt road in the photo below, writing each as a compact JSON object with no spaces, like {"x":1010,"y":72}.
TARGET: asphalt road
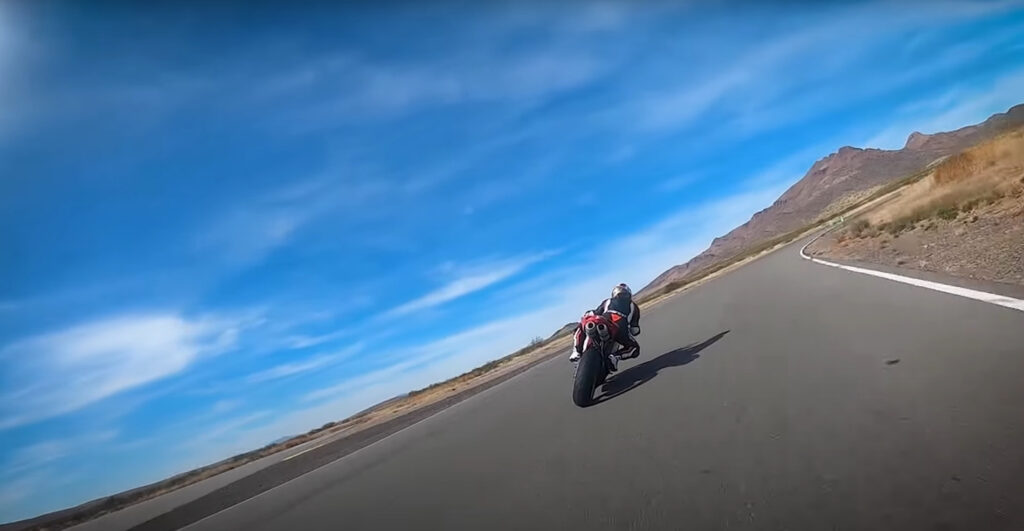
{"x":785,"y":395}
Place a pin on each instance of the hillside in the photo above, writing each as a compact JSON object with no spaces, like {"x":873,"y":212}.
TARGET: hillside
{"x":835,"y":179}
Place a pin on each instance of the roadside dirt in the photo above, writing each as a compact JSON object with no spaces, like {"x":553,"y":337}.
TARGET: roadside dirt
{"x":986,"y":245}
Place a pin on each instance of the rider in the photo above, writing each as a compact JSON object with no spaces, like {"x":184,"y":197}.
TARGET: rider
{"x":621,"y":302}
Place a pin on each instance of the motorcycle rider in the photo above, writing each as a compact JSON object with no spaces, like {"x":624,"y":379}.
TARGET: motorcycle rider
{"x":621,"y":302}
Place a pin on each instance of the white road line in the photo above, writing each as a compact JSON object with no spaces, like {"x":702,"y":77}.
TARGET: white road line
{"x":991,"y":298}
{"x":307,"y":450}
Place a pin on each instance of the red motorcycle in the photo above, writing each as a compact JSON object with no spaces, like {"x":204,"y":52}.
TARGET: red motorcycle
{"x":595,"y":361}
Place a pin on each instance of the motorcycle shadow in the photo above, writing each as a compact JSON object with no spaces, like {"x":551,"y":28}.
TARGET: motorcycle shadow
{"x":633,"y":377}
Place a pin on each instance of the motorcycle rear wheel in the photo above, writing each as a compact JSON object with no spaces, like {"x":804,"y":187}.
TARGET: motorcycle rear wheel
{"x":588,"y":372}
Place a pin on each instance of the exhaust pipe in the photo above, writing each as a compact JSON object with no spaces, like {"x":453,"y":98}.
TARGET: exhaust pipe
{"x":592,"y":329}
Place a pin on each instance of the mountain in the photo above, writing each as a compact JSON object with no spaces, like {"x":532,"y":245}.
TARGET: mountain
{"x":280,"y":440}
{"x":835,"y":178}
{"x":567,"y":329}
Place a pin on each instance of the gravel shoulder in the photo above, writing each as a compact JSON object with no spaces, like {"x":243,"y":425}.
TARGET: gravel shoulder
{"x":986,"y":245}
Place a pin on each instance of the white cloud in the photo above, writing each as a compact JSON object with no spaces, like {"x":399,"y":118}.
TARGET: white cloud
{"x":60,"y":372}
{"x":478,"y":278}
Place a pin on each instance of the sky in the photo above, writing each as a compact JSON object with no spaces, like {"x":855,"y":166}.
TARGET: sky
{"x":223,"y":224}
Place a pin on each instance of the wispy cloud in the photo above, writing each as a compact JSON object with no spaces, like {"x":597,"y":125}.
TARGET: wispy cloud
{"x":304,"y":341}
{"x":679,"y":182}
{"x":768,"y":83}
{"x":298,"y":367}
{"x":478,"y":277}
{"x":345,"y":88}
{"x":63,"y":371}
{"x":43,"y":453}
{"x":223,"y":406}
{"x":750,"y":71}
{"x":17,"y":490}
{"x":222,"y":435}
{"x":249,"y":229}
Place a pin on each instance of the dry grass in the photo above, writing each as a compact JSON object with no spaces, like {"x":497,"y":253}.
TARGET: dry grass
{"x":982,"y":175}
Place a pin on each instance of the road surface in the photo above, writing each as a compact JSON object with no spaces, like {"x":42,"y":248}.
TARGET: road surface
{"x":784,"y":395}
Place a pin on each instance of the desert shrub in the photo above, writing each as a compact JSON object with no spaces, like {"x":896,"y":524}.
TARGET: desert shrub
{"x":948,"y":213}
{"x":970,"y":205}
{"x":994,"y":197}
{"x":898,"y":226}
{"x":858,"y":229}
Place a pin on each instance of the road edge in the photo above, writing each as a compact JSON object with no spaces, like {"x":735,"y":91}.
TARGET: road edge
{"x":983,"y":296}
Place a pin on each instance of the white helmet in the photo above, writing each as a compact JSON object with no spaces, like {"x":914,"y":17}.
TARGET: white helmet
{"x":620,"y":289}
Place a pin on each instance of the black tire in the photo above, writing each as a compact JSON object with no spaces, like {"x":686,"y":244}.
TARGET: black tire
{"x":585,"y":380}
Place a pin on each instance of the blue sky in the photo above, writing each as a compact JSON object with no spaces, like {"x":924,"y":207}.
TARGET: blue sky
{"x":225,"y":224}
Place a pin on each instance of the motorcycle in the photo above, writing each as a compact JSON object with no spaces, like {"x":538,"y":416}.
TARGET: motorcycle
{"x":595,"y":362}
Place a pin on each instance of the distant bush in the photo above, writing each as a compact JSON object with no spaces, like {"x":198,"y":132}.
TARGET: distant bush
{"x":858,"y":229}
{"x":956,"y":167}
{"x":948,"y":213}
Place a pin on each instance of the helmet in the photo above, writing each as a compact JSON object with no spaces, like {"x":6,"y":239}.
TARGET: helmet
{"x":622,"y":290}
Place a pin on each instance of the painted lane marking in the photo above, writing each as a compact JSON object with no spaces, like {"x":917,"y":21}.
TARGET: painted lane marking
{"x":991,"y":298}
{"x":307,"y":450}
